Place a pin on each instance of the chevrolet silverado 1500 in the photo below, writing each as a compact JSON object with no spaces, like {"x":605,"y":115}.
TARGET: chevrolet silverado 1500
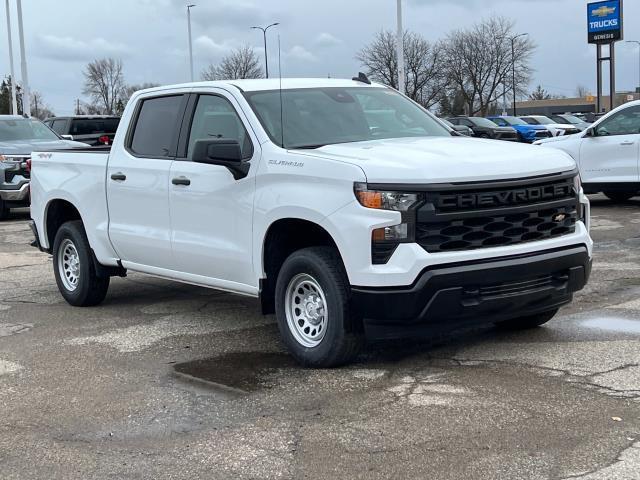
{"x":346,"y":208}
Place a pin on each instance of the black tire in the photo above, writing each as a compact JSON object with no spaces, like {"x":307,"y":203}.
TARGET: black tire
{"x":620,"y":196}
{"x":89,"y":289}
{"x":4,"y":211}
{"x":484,"y":135}
{"x":524,"y":323}
{"x":343,"y":337}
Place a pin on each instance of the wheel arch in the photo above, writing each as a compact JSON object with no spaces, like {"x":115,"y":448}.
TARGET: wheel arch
{"x":283,"y":237}
{"x":57,"y":212}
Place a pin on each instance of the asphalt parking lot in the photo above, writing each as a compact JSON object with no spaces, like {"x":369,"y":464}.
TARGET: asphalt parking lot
{"x":172,"y":381}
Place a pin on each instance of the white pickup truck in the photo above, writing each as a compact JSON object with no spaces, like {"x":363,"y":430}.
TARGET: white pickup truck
{"x":347,"y":209}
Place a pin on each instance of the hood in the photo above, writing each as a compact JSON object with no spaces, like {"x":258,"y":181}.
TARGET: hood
{"x":25,"y":147}
{"x":444,"y":159}
{"x":561,"y":138}
{"x":562,"y":125}
{"x":530,"y":127}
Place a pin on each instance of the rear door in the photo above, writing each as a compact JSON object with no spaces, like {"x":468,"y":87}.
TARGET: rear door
{"x":613,"y":154}
{"x":211,"y":212}
{"x":138,"y":183}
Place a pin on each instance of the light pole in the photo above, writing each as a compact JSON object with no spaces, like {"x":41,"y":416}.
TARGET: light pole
{"x":189,"y":7}
{"x":637,"y":42}
{"x":400,"y":49}
{"x":264,"y":35}
{"x":26,"y":100}
{"x":14,"y":101}
{"x":513,"y":65}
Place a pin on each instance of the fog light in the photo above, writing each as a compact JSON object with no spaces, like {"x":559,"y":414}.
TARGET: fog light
{"x":395,"y":233}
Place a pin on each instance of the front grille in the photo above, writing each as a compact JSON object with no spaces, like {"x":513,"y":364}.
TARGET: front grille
{"x":476,"y":216}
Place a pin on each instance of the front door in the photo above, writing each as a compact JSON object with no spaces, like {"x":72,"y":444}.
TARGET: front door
{"x":211,"y":212}
{"x":611,"y":155}
{"x":138,"y":184}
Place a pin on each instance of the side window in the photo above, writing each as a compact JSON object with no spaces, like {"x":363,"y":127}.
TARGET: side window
{"x":530,"y":121}
{"x":58,"y":126}
{"x":455,"y":121}
{"x":499,"y":121}
{"x":466,"y":123}
{"x":626,"y":122}
{"x":156,"y":126}
{"x":215,"y":117}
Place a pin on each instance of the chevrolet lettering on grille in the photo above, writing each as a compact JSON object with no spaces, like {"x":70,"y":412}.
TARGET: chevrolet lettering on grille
{"x":504,"y":197}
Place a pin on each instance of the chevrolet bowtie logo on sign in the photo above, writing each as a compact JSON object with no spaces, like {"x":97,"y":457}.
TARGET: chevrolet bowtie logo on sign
{"x":603,"y":11}
{"x":604,"y":21}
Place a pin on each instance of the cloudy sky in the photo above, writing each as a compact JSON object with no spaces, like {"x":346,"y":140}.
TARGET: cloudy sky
{"x":318,"y":38}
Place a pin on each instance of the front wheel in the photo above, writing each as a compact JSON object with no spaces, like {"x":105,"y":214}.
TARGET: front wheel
{"x":620,"y":196}
{"x":531,"y":321}
{"x":313,"y":311}
{"x":74,"y":267}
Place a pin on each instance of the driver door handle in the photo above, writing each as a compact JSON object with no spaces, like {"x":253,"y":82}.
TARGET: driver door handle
{"x":628,"y":142}
{"x":119,"y":177}
{"x":181,"y":181}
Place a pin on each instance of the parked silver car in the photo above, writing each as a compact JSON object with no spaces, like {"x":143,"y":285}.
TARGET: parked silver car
{"x":20,"y":136}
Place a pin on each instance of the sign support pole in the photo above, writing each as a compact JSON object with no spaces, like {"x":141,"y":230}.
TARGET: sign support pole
{"x":599,"y":78}
{"x":612,"y":75}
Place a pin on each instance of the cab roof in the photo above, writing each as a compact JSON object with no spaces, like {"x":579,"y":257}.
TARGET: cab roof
{"x":263,"y":84}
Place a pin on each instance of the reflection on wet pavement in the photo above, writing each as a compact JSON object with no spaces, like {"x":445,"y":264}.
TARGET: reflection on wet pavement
{"x":613,"y":324}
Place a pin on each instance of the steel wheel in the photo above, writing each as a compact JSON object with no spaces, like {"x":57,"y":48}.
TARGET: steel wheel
{"x":69,"y":265}
{"x":306,"y":310}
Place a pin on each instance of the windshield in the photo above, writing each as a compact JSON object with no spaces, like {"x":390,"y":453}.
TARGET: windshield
{"x":314,"y":117}
{"x":543,"y":120}
{"x":24,"y":129}
{"x":509,"y":121}
{"x":572,"y":119}
{"x":482,"y":122}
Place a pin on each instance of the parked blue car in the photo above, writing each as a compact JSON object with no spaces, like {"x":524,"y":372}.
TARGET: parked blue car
{"x":526,"y":133}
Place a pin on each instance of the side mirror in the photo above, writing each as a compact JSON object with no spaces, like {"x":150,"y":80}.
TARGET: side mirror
{"x":67,"y":137}
{"x":221,"y":151}
{"x":590,"y":132}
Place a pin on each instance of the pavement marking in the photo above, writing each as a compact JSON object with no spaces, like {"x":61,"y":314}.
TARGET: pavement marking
{"x":630,"y":305}
{"x":16,"y":260}
{"x":368,"y":373}
{"x":598,"y":223}
{"x":616,"y":266}
{"x":7,"y":367}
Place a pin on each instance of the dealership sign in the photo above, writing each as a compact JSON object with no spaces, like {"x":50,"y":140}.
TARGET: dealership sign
{"x":604,"y":21}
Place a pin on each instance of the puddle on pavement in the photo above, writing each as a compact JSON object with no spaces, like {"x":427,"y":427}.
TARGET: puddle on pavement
{"x":613,"y":324}
{"x":240,"y":372}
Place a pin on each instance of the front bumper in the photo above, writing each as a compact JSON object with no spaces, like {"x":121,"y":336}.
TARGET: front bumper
{"x":467,"y":293}
{"x":15,"y":193}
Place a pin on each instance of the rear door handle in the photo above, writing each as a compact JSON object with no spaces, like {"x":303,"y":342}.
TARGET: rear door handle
{"x":181,"y":181}
{"x":119,"y":177}
{"x":627,"y":143}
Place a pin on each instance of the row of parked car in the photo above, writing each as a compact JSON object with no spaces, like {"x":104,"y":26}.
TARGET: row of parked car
{"x":518,"y":129}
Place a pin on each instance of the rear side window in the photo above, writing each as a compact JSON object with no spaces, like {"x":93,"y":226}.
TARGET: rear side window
{"x":58,"y":126}
{"x":93,"y":126}
{"x":156,"y":126}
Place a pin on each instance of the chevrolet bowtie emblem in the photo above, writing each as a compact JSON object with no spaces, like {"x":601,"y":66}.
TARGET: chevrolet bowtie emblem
{"x":603,"y":11}
{"x":559,"y":217}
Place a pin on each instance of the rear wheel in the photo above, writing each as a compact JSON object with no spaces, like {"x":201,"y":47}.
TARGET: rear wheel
{"x":313,"y":311}
{"x":484,"y":135}
{"x":531,"y":321}
{"x":620,"y":196}
{"x":75,"y":269}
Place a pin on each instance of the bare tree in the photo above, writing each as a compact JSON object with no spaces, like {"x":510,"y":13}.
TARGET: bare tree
{"x":479,"y":62}
{"x":581,"y":91}
{"x":539,"y":94}
{"x":241,"y":63}
{"x":103,"y":83}
{"x":39,"y":109}
{"x":423,"y":78}
{"x":128,"y":90}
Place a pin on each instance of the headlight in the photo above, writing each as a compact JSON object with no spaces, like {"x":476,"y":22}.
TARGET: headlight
{"x":2,"y":158}
{"x":384,"y":200}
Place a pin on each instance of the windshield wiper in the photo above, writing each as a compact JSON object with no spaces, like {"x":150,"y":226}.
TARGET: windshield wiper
{"x":307,"y":147}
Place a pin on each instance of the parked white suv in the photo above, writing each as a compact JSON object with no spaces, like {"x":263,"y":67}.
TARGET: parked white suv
{"x":556,"y":129}
{"x":607,"y":153}
{"x":345,"y":207}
